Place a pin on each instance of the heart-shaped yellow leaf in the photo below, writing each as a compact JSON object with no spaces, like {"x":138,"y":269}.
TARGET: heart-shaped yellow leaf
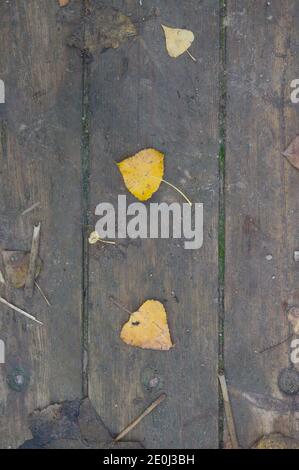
{"x":178,"y":40}
{"x":143,"y":172}
{"x":147,"y":328}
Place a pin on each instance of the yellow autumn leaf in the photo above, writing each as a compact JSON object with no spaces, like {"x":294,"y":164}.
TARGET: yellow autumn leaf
{"x":143,"y":172}
{"x":178,"y":40}
{"x":147,"y":328}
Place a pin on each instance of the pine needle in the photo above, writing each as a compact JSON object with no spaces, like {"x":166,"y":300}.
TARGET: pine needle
{"x":148,"y":410}
{"x":19,"y":310}
{"x":2,"y":280}
{"x":42,"y":293}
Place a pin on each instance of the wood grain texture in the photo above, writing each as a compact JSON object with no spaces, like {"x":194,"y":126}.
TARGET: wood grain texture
{"x":40,"y":127}
{"x":140,"y":97}
{"x":262,"y":203}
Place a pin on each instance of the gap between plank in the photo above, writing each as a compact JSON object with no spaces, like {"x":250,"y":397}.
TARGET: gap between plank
{"x":221,"y":220}
{"x":85,"y":161}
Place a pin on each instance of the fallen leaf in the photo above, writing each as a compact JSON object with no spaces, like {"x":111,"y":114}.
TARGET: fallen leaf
{"x":292,"y":153}
{"x":16,"y":264}
{"x":94,"y":237}
{"x":2,"y":280}
{"x":276,"y":441}
{"x":147,"y":328}
{"x":143,"y":173}
{"x":63,"y":3}
{"x":69,"y":424}
{"x":293,"y":318}
{"x":103,"y":28}
{"x":178,"y":40}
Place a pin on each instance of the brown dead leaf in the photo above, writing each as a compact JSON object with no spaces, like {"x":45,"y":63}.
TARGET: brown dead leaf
{"x":103,"y":28}
{"x":16,"y":264}
{"x":63,"y":3}
{"x":147,"y":328}
{"x":293,"y":318}
{"x":2,"y":280}
{"x":292,"y":153}
{"x":276,"y":441}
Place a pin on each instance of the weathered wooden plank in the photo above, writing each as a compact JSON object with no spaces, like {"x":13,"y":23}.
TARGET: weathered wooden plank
{"x":40,"y":162}
{"x":140,"y":97}
{"x":262,"y":206}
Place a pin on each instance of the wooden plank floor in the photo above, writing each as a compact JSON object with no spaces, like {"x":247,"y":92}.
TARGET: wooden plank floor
{"x":40,"y":163}
{"x":70,"y":114}
{"x":262,"y":203}
{"x":142,"y":98}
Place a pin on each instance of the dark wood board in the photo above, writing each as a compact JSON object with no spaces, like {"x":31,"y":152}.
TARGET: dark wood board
{"x":141,"y":97}
{"x":262,"y":203}
{"x":40,"y":161}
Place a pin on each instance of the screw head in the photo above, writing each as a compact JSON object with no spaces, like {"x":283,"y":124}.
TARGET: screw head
{"x":18,"y":379}
{"x":288,"y":381}
{"x":151,"y":379}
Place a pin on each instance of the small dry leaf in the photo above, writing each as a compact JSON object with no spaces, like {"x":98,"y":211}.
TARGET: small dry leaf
{"x":2,"y":280}
{"x":147,"y":328}
{"x":94,"y":238}
{"x":16,"y":264}
{"x":293,"y":318}
{"x":292,"y":153}
{"x":276,"y":441}
{"x":143,"y":173}
{"x":103,"y":28}
{"x":178,"y":40}
{"x":63,"y":3}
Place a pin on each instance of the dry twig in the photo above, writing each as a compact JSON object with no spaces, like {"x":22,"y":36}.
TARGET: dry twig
{"x":31,"y":208}
{"x":19,"y":310}
{"x":228,"y":412}
{"x":140,"y":418}
{"x":42,"y":294}
{"x":273,"y":346}
{"x":29,"y":284}
{"x":2,"y":280}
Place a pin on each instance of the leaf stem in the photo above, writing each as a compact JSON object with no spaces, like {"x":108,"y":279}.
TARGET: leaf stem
{"x":178,"y":190}
{"x":190,"y":55}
